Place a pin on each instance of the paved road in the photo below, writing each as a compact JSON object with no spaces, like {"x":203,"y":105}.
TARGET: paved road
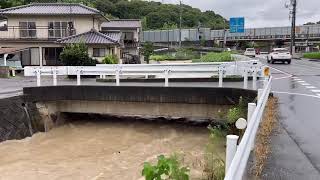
{"x":296,"y":148}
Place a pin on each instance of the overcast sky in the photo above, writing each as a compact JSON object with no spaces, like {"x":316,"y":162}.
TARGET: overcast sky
{"x":259,"y":13}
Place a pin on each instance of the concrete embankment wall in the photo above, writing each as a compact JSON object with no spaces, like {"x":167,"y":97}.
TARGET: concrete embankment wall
{"x":14,"y":121}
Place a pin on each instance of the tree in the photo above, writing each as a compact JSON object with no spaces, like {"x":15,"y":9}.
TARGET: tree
{"x":147,"y":51}
{"x":76,"y":55}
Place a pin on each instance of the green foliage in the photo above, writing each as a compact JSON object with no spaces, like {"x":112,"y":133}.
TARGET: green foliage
{"x":239,"y":111}
{"x":214,"y":164}
{"x":169,"y":26}
{"x":110,"y":59}
{"x":147,"y":51}
{"x":313,"y":55}
{"x":76,"y":55}
{"x":216,"y":57}
{"x":166,"y":168}
{"x":157,"y":15}
{"x":181,"y":54}
{"x":160,"y":57}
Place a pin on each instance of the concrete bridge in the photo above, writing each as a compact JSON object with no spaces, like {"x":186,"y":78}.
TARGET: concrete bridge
{"x":174,"y":102}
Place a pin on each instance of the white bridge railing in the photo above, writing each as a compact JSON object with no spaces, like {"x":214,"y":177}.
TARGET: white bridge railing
{"x":237,"y":155}
{"x":166,"y":71}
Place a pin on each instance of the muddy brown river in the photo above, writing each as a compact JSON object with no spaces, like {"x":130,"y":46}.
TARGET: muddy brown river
{"x":112,"y":150}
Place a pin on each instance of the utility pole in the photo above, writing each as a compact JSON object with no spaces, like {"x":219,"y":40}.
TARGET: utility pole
{"x":224,"y":34}
{"x":180,"y":24}
{"x":293,"y":26}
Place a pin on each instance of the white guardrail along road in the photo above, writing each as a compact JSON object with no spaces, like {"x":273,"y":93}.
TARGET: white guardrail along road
{"x":166,"y":71}
{"x":237,"y":155}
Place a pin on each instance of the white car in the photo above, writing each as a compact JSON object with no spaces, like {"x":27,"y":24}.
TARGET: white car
{"x":279,"y":54}
{"x":250,"y":52}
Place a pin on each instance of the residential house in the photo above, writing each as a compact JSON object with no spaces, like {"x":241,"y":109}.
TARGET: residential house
{"x":130,"y":30}
{"x":43,"y":29}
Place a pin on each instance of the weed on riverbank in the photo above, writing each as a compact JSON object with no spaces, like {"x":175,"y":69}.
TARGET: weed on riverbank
{"x":262,"y":148}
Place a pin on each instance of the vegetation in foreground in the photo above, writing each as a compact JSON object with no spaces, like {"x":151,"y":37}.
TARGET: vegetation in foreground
{"x":216,"y":57}
{"x":313,"y":55}
{"x":166,"y":168}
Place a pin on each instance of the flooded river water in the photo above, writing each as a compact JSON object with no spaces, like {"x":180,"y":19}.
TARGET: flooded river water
{"x":94,"y":150}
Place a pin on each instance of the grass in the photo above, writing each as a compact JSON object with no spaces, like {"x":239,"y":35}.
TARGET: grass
{"x":262,"y":148}
{"x":181,"y":54}
{"x":313,"y":55}
{"x":214,"y":163}
{"x":215,"y":57}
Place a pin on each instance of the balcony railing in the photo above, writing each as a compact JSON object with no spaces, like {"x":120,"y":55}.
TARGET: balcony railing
{"x":16,"y":32}
{"x":130,"y":44}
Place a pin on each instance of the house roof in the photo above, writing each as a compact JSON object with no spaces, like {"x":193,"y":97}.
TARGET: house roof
{"x":91,"y":37}
{"x":51,"y":9}
{"x":122,"y":23}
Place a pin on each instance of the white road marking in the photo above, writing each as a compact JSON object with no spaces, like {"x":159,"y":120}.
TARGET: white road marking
{"x":288,"y":75}
{"x":310,"y":87}
{"x":318,"y":95}
{"x":299,"y":94}
{"x":301,"y":81}
{"x":305,"y":84}
{"x":316,"y":91}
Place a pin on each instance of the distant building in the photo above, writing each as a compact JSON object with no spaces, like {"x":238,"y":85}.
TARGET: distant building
{"x":43,"y":29}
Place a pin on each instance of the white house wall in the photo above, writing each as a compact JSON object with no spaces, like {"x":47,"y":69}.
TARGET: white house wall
{"x":81,"y":24}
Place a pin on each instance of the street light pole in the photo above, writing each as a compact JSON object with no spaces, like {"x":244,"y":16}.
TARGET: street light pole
{"x":293,"y":26}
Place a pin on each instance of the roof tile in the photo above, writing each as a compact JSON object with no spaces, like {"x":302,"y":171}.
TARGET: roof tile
{"x":51,"y":8}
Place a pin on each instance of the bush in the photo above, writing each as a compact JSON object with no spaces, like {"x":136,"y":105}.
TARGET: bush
{"x":159,"y":57}
{"x":314,"y":55}
{"x":76,"y":55}
{"x":214,"y":168}
{"x":216,"y":57}
{"x":181,"y":54}
{"x":239,"y":111}
{"x":166,"y":168}
{"x":110,"y":59}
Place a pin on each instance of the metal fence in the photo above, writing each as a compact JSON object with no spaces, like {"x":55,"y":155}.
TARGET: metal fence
{"x":237,"y":155}
{"x":166,"y":71}
{"x":306,"y":31}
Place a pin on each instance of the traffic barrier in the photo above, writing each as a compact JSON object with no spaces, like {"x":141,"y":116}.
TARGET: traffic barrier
{"x":236,"y":165}
{"x":166,"y":71}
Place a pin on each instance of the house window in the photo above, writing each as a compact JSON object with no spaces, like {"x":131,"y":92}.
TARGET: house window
{"x":99,"y":52}
{"x":3,"y":25}
{"x":28,"y":29}
{"x":59,"y":29}
{"x":128,"y":35}
{"x":51,"y":56}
